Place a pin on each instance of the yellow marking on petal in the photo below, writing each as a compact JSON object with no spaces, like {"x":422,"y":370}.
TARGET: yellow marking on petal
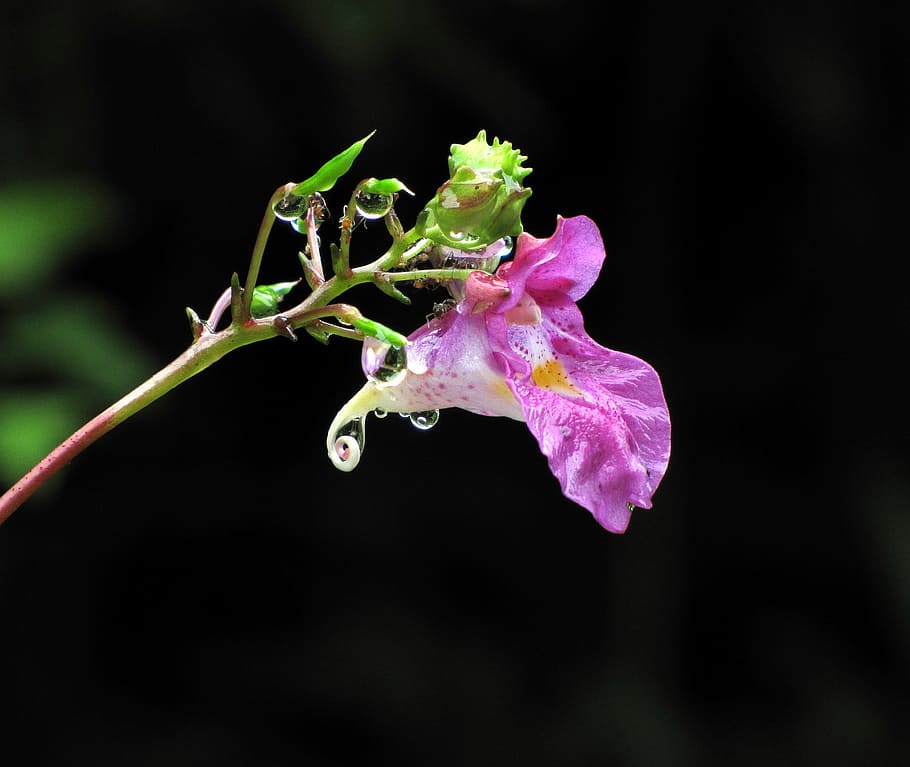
{"x":551,"y":375}
{"x":501,"y":388}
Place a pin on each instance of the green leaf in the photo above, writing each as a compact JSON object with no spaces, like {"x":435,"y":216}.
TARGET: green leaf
{"x":380,"y":331}
{"x":384,"y":186}
{"x":267,"y":297}
{"x":324,"y":178}
{"x":387,"y":287}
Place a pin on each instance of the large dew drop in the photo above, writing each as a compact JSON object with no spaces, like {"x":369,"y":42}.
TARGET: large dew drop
{"x":290,"y":207}
{"x":424,"y":420}
{"x":384,"y":364}
{"x":348,"y":447}
{"x":372,"y":205}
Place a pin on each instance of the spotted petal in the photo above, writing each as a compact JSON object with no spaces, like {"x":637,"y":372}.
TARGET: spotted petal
{"x":450,"y":364}
{"x":598,"y":415}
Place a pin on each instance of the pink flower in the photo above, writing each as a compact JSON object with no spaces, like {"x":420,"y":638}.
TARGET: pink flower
{"x":515,"y":346}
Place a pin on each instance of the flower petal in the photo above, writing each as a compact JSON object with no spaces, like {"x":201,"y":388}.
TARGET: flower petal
{"x":565,"y":264}
{"x":634,"y":388}
{"x":451,"y":364}
{"x":599,"y":415}
{"x":586,"y":451}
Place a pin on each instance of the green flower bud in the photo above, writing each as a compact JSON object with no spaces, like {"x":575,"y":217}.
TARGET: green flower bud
{"x":483,"y":198}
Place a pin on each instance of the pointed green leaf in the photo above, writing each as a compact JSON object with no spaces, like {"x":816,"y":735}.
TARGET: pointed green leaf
{"x":324,"y":178}
{"x":387,"y":287}
{"x":384,"y":186}
{"x":378,"y":330}
{"x":267,"y":297}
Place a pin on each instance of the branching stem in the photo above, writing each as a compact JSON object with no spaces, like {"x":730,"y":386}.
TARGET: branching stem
{"x":207,"y":349}
{"x":210,"y":345}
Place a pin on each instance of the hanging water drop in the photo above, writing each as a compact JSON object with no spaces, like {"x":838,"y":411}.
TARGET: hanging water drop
{"x":424,"y":420}
{"x":373,"y":205}
{"x":384,"y":364}
{"x":348,"y":445}
{"x":290,"y":207}
{"x":380,"y":413}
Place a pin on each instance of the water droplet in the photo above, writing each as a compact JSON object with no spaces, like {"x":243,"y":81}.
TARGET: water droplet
{"x":372,"y":205}
{"x":384,"y":364}
{"x":404,"y":415}
{"x":424,"y":420}
{"x":456,"y":235}
{"x":348,"y":444}
{"x":290,"y":207}
{"x":380,"y":413}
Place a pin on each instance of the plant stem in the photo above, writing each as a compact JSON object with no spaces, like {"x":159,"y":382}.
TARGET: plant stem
{"x":265,"y":228}
{"x":208,"y":349}
{"x":210,"y":345}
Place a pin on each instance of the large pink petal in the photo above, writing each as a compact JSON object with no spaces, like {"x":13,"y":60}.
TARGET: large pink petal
{"x":587,"y":450}
{"x":565,"y":264}
{"x":604,"y":374}
{"x":599,"y":415}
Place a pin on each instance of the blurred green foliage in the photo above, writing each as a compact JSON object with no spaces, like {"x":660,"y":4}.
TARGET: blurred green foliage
{"x":42,"y":224}
{"x":63,"y":354}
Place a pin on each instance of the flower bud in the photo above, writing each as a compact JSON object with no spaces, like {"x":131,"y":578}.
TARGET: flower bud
{"x":483,"y":198}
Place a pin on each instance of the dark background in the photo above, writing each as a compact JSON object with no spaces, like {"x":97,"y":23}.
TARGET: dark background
{"x":202,"y":587}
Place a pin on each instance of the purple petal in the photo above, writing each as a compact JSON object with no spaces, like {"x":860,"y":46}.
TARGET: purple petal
{"x":606,"y":374}
{"x":565,"y":264}
{"x":451,"y":364}
{"x":599,"y":416}
{"x":587,"y":451}
{"x":634,"y":388}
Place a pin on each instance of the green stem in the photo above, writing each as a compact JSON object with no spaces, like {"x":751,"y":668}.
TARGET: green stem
{"x":428,"y":274}
{"x":265,"y":228}
{"x":210,"y":346}
{"x":208,"y":349}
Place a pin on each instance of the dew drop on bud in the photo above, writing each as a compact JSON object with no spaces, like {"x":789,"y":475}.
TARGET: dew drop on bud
{"x":424,"y":420}
{"x":380,"y":413}
{"x":384,"y":364}
{"x":348,"y":445}
{"x":372,"y":205}
{"x":290,"y":207}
